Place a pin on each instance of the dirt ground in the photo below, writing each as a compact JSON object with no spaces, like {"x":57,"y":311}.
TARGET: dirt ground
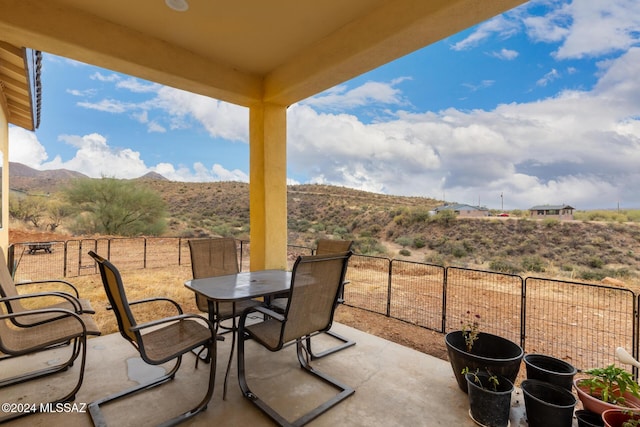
{"x":406,"y":334}
{"x":403,"y":333}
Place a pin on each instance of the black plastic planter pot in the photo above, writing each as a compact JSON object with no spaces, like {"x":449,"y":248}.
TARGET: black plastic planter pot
{"x":548,"y":405}
{"x":589,"y":419}
{"x":490,"y":353}
{"x":549,"y":369}
{"x":487,"y":407}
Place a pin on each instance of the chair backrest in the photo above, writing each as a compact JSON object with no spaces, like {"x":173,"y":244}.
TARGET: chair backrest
{"x":330,"y":246}
{"x":210,"y":258}
{"x":315,"y":286}
{"x":114,"y":288}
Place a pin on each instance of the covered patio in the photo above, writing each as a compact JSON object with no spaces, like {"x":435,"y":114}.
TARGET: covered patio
{"x":394,"y":385}
{"x":261,"y":55}
{"x":264,"y":56}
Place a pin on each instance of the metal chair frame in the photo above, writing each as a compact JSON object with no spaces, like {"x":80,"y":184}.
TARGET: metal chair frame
{"x":133,"y":334}
{"x":303,"y":354}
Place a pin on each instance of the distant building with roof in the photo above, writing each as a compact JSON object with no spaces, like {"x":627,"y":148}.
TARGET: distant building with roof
{"x":563,"y":212}
{"x":465,"y":211}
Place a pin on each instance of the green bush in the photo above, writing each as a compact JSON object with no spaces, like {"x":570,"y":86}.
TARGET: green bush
{"x":533,"y":263}
{"x":504,"y":266}
{"x":405,"y":252}
{"x":419,"y":242}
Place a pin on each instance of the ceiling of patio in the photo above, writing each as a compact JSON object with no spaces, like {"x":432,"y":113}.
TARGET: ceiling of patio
{"x":241,"y":51}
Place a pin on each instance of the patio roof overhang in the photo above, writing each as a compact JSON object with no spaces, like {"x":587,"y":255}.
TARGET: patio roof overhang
{"x":20,"y":84}
{"x":265,"y":55}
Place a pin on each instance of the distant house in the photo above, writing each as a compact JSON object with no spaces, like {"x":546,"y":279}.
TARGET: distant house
{"x":465,"y":211}
{"x":562,"y":212}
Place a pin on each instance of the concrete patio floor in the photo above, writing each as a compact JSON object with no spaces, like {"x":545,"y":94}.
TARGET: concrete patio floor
{"x":395,"y":386}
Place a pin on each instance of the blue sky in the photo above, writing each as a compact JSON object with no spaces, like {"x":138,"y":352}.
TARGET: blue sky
{"x":540,"y":104}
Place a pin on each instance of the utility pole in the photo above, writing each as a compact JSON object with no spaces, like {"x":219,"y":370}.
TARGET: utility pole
{"x":501,"y":202}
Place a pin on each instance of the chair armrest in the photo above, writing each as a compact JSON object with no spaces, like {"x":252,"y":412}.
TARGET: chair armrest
{"x":70,"y":298}
{"x":265,"y":310}
{"x":63,"y":313}
{"x":156,"y":299}
{"x":38,"y":282}
{"x":171,"y":319}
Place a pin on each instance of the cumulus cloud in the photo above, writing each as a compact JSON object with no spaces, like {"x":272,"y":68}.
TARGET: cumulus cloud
{"x":370,"y":92}
{"x":25,"y":148}
{"x":580,"y":147}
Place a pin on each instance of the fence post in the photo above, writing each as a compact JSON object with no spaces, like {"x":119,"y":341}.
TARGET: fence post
{"x":389,"y":288}
{"x":444,"y":299}
{"x":523,"y":314}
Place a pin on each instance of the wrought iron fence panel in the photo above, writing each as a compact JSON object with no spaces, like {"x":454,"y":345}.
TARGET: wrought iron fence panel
{"x":492,"y":299}
{"x":127,"y":253}
{"x":38,"y":260}
{"x":417,"y":293}
{"x":78,"y":262}
{"x":161,"y":252}
{"x":368,"y":286}
{"x":578,"y":322}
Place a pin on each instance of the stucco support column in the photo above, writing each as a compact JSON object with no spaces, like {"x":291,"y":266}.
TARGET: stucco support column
{"x":4,"y":163}
{"x":268,"y":186}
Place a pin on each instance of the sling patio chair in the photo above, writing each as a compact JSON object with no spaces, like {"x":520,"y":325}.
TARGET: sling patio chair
{"x":315,"y":288}
{"x":65,"y":300}
{"x":158,"y":341}
{"x":217,"y":257}
{"x":62,"y":327}
{"x":213,"y":257}
{"x":325,"y":247}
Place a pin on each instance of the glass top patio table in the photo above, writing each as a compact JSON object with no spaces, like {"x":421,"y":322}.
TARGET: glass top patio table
{"x":241,"y":286}
{"x":237,"y":287}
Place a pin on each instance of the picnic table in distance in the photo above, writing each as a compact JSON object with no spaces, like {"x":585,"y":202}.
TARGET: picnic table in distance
{"x":40,"y":246}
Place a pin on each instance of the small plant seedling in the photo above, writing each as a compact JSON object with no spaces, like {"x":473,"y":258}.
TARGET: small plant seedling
{"x":470,"y":331}
{"x":493,"y":379}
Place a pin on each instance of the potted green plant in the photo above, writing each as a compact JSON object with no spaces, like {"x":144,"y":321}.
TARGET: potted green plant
{"x":489,"y":398}
{"x":611,"y":387}
{"x":621,"y":418}
{"x":475,"y":350}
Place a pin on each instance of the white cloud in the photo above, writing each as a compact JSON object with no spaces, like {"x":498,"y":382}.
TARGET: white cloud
{"x":505,"y":54}
{"x":503,"y":26}
{"x":548,"y":78}
{"x":579,"y":147}
{"x":137,"y":85}
{"x":25,"y":148}
{"x":369,"y":93}
{"x":108,"y":106}
{"x":105,"y":78}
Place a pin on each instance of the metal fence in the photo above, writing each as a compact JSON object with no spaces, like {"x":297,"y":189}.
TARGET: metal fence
{"x":578,"y":322}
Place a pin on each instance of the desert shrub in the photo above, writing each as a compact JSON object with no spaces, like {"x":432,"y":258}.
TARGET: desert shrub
{"x":403,"y":241}
{"x":405,"y":252}
{"x":503,"y":266}
{"x":435,"y":259}
{"x":550,"y":222}
{"x":419,"y":242}
{"x":533,"y":263}
{"x":593,"y":275}
{"x":595,"y":262}
{"x":458,"y":251}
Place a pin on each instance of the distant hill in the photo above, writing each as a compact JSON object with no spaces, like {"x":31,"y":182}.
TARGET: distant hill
{"x":25,"y":179}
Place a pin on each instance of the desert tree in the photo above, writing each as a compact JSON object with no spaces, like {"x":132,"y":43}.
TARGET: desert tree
{"x":115,"y":207}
